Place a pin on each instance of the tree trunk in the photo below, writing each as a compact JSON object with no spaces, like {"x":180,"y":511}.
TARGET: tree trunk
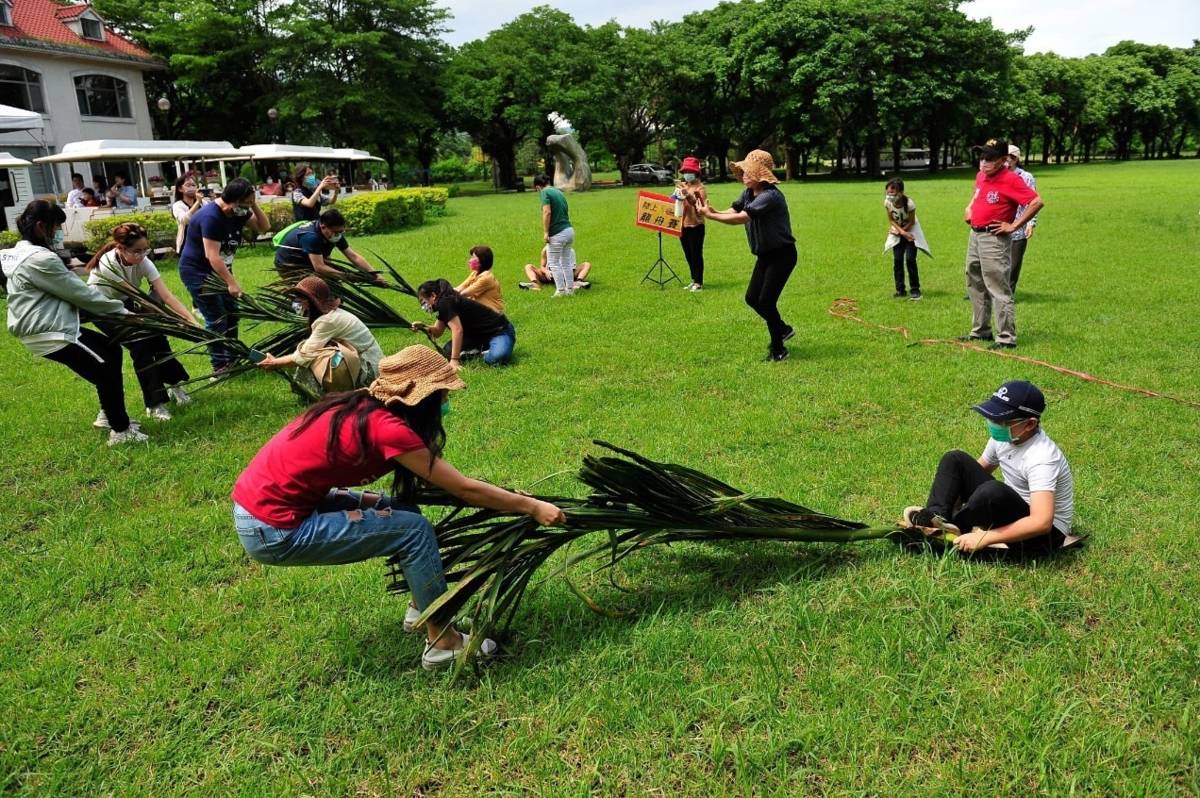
{"x":896,"y":142}
{"x":789,"y":160}
{"x":1045,"y":146}
{"x":804,"y":151}
{"x":935,"y":147}
{"x":872,"y":154}
{"x":506,"y":167}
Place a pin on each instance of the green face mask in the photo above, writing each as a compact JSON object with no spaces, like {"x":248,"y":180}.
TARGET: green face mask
{"x":446,"y":407}
{"x":999,"y":432}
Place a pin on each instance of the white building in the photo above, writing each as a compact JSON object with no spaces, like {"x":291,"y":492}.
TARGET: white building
{"x":65,"y":63}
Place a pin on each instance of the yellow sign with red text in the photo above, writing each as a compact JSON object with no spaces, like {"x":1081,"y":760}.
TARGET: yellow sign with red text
{"x":657,"y":212}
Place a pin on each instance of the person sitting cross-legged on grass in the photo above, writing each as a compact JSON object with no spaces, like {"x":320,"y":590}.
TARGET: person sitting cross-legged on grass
{"x":288,"y":508}
{"x":540,"y":275}
{"x":1031,"y":510}
{"x":335,"y":338}
{"x":474,"y":328}
{"x":481,"y":284}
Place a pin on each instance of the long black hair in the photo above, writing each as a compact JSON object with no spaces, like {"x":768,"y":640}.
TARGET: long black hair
{"x":355,"y":407}
{"x":42,"y":211}
{"x":440,"y":286}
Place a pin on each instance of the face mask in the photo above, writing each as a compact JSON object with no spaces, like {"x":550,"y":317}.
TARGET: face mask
{"x":240,"y":211}
{"x":56,"y":241}
{"x":473,"y":264}
{"x":999,"y":432}
{"x":310,"y":181}
{"x":428,"y":308}
{"x":688,"y":177}
{"x":336,"y":237}
{"x":446,"y":407}
{"x":297,"y":307}
{"x":889,"y":198}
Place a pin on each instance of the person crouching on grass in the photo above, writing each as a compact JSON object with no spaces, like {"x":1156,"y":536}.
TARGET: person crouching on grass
{"x":474,"y":327}
{"x":904,"y":238}
{"x":763,"y":209}
{"x":1031,"y":510}
{"x":45,"y":300}
{"x":330,"y":329}
{"x":125,"y":259}
{"x":288,"y":508}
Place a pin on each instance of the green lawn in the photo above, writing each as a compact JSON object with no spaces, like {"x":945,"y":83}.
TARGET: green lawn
{"x":142,"y":653}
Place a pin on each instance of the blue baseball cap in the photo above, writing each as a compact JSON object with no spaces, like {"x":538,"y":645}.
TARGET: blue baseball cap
{"x":1013,"y":399}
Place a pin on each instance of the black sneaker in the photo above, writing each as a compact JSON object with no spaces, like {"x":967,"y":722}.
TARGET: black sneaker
{"x":775,"y":355}
{"x":915,"y":295}
{"x":976,"y":338}
{"x":899,"y":295}
{"x":1002,"y":345}
{"x":789,"y":335}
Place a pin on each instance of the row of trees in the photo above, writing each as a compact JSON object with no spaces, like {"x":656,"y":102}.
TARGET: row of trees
{"x":813,"y":79}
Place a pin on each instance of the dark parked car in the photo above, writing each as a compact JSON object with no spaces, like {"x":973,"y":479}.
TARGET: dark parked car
{"x":646,"y":173}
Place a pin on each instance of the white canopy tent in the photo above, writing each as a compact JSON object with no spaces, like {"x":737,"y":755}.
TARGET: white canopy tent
{"x":19,"y":191}
{"x":142,"y":152}
{"x":296,"y":152}
{"x":12,"y":162}
{"x":19,"y":119}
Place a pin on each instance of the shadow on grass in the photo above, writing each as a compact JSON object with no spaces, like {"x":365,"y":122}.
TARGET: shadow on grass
{"x":1054,"y":560}
{"x":680,"y":580}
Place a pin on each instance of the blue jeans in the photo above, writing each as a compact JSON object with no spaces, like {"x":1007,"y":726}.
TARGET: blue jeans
{"x":499,"y":349}
{"x":342,"y":531}
{"x":220,"y":316}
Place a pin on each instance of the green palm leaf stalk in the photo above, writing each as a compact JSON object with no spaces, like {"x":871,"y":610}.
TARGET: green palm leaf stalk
{"x":490,"y":557}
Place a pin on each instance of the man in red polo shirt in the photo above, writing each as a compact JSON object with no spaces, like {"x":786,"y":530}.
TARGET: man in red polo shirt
{"x":992,"y":217}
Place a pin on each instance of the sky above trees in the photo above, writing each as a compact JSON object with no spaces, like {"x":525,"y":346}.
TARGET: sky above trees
{"x":1066,"y":27}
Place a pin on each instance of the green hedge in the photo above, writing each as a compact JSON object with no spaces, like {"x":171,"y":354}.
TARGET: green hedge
{"x":160,"y":225}
{"x":384,"y":211}
{"x":9,"y":238}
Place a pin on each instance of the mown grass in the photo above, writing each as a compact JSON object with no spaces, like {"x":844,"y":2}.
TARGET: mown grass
{"x":141,"y":652}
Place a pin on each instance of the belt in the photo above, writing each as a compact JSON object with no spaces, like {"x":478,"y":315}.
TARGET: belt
{"x":980,"y":229}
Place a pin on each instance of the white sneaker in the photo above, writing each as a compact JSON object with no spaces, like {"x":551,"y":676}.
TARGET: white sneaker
{"x":131,"y":435}
{"x":437,"y":658}
{"x":410,"y":618}
{"x":158,"y":413}
{"x":178,"y":395}
{"x":101,"y":421}
{"x":694,"y":287}
{"x":562,"y":293}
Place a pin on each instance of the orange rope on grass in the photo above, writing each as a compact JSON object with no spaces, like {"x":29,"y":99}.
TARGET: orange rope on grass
{"x":847,"y":308}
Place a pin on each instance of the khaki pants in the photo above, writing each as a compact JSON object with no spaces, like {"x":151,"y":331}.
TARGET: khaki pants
{"x":989,"y":258}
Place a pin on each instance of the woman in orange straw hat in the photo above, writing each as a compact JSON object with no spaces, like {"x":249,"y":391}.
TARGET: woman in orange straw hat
{"x":289,"y":508}
{"x":763,"y":209}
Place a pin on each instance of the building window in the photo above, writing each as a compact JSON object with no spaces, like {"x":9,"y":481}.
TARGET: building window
{"x":21,"y":87}
{"x":92,"y":29}
{"x":102,"y":95}
{"x":6,"y":13}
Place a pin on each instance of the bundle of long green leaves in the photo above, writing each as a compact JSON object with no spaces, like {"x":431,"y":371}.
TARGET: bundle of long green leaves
{"x":147,"y":316}
{"x":490,"y":557}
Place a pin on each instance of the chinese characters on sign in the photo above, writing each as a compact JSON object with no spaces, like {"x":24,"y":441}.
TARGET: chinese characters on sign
{"x":657,"y":212}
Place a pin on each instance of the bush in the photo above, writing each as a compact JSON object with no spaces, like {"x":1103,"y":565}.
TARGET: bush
{"x":9,"y":238}
{"x":249,"y":172}
{"x":455,"y":170}
{"x":279,"y":214}
{"x":383,"y":211}
{"x":161,"y":227}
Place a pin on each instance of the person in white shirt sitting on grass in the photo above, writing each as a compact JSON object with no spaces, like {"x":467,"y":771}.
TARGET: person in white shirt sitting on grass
{"x":1031,"y":510}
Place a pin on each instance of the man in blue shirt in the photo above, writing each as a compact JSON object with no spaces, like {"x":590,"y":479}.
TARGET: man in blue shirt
{"x":306,"y":249}
{"x":212,"y":238}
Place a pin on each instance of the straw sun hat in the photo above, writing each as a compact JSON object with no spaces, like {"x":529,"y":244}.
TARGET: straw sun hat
{"x":412,"y":374}
{"x":758,"y":165}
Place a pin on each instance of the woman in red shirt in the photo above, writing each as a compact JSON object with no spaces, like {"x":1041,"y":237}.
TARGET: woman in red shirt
{"x":289,"y":508}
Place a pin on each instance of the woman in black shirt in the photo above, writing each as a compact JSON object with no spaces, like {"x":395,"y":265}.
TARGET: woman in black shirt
{"x":473,"y":327}
{"x":763,"y":209}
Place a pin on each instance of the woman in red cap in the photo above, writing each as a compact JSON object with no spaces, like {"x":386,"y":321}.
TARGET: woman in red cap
{"x":692,"y":190}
